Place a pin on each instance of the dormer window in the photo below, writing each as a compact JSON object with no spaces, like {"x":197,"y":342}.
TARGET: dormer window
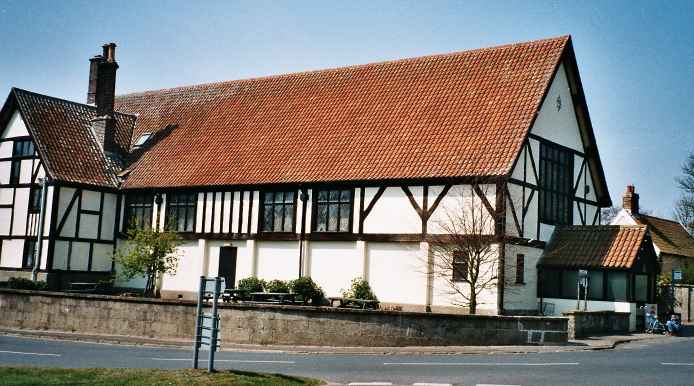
{"x":144,"y":137}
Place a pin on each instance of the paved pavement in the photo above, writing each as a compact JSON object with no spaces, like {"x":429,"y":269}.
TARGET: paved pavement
{"x":661,"y":361}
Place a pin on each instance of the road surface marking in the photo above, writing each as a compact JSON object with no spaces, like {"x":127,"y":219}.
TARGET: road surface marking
{"x":369,"y":384}
{"x":224,"y":360}
{"x":29,"y":353}
{"x":478,"y":364}
{"x":431,"y":384}
{"x":676,"y":364}
{"x":485,"y":384}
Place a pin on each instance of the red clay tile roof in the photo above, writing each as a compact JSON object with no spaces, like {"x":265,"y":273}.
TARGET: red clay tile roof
{"x":64,"y":139}
{"x":669,"y":236}
{"x":458,"y":114}
{"x":606,"y":246}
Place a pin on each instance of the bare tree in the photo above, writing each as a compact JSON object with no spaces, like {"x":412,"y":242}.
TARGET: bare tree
{"x":466,"y":255}
{"x":684,"y":208}
{"x":608,"y":214}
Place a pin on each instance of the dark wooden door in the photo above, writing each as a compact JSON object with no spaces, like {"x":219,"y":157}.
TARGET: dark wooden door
{"x":227,"y":265}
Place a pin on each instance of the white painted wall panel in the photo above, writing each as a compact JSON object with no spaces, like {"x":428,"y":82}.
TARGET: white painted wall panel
{"x":109,"y":216}
{"x":397,"y":272}
{"x":255,"y":205}
{"x":6,"y":149}
{"x":6,"y":196}
{"x":5,"y":171}
{"x":309,"y":212}
{"x":457,"y":205}
{"x":79,"y":256}
{"x":189,"y":269}
{"x":89,"y":226}
{"x":15,"y":127}
{"x":102,"y":257}
{"x":12,"y":250}
{"x":208,"y":212}
{"x":445,"y":295}
{"x":5,"y":215}
{"x":49,"y":211}
{"x":217,"y":221}
{"x":25,"y":171}
{"x":246,"y":209}
{"x":44,"y":254}
{"x":235,"y":213}
{"x":244,"y":258}
{"x":558,"y":126}
{"x":21,"y":207}
{"x":392,"y":213}
{"x":226,"y":198}
{"x":198,"y":214}
{"x":60,"y":254}
{"x":90,"y":200}
{"x":521,"y":296}
{"x":334,"y":265}
{"x":278,"y":260}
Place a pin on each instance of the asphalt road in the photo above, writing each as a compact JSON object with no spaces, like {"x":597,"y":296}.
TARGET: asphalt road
{"x":668,"y":361}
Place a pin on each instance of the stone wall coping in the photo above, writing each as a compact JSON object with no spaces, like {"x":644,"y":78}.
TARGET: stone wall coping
{"x":603,"y":312}
{"x":278,"y":307}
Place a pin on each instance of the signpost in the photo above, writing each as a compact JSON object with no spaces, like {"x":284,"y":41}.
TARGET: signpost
{"x":582,"y":282}
{"x":207,"y":324}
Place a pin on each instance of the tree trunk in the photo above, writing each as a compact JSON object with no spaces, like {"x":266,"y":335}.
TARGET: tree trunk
{"x":473,"y":300}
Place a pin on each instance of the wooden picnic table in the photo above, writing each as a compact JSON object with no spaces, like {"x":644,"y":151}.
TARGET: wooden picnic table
{"x":275,"y":297}
{"x":235,"y":294}
{"x":84,"y":287}
{"x":354,"y":303}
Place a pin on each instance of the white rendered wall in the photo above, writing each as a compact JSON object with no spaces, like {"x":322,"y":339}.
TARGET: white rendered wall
{"x":12,"y":253}
{"x":393,"y":212}
{"x":15,"y":128}
{"x":108,"y":216}
{"x":21,"y":206}
{"x":335,"y":264}
{"x":102,"y":257}
{"x":397,"y":272}
{"x":445,"y":295}
{"x":565,"y":305}
{"x":278,"y":260}
{"x":521,"y":296}
{"x":458,"y":204}
{"x":558,"y":126}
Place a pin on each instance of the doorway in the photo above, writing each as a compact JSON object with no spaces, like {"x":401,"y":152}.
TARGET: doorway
{"x":227,"y":266}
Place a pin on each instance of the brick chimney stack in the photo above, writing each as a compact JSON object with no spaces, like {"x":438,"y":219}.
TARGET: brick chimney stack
{"x":101,"y":94}
{"x":630,"y":200}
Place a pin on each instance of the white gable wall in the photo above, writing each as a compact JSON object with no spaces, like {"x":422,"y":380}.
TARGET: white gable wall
{"x":15,"y":128}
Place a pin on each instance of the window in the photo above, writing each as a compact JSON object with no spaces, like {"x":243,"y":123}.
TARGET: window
{"x":595,"y":285}
{"x":138,"y":210}
{"x":34,"y":199}
{"x":14,"y":173}
{"x":29,"y":252}
{"x":520,"y":269}
{"x":460,"y":266}
{"x":144,"y":137}
{"x":23,"y":148}
{"x":569,"y":282}
{"x":333,"y":210}
{"x":556,"y":184}
{"x":180,"y":211}
{"x":278,"y":211}
{"x":617,"y":286}
{"x":641,"y":288}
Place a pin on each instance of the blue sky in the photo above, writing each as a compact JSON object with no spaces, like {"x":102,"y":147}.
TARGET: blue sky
{"x":636,"y":58}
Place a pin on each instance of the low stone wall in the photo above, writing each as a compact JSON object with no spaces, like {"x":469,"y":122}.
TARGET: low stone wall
{"x":587,"y":323}
{"x":271,"y":324}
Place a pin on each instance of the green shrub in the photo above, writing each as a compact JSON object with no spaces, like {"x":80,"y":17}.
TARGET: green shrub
{"x":277,"y":286}
{"x":307,"y":290}
{"x":360,"y":289}
{"x":25,"y":284}
{"x":252,"y":284}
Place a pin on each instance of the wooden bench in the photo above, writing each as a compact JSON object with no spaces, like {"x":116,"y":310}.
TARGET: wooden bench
{"x":273,"y":297}
{"x":76,"y":287}
{"x":353,"y":303}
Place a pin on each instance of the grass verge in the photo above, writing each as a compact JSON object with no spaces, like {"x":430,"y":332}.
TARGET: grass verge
{"x":25,"y":376}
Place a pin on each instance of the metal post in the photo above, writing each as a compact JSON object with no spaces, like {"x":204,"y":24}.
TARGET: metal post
{"x":215,"y":324}
{"x":578,"y":295}
{"x":198,"y":320}
{"x":39,"y":234}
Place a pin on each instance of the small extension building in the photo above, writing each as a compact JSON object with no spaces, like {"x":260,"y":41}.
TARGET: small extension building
{"x":334,"y":174}
{"x":673,"y":244}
